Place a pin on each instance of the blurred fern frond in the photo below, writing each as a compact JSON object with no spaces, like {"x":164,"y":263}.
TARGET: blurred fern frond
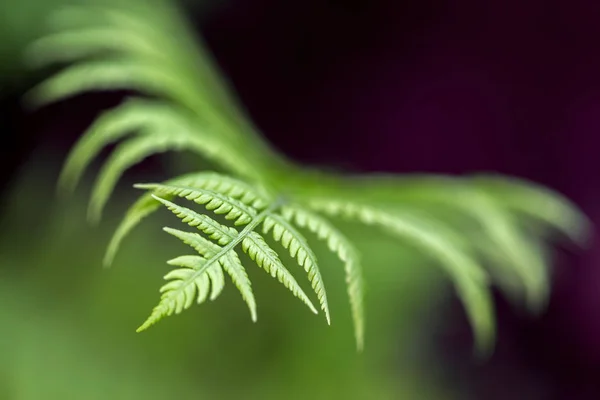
{"x":478,"y":229}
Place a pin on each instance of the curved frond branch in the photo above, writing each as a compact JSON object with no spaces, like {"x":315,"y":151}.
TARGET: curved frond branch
{"x":187,"y":284}
{"x":212,"y":181}
{"x":231,"y":264}
{"x":126,"y":155}
{"x":252,"y":244}
{"x":470,"y":279}
{"x":142,"y":208}
{"x":234,"y":268}
{"x":537,"y":203}
{"x":113,"y":125}
{"x":513,"y":250}
{"x":111,"y":74}
{"x":215,"y":276}
{"x":265,"y":257}
{"x":220,"y":233}
{"x":346,"y":252}
{"x":142,"y":31}
{"x":299,"y":249}
{"x":203,"y":246}
{"x":74,"y":45}
{"x":233,"y":209}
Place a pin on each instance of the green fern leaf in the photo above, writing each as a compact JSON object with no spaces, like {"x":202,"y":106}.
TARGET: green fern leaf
{"x":219,"y":203}
{"x":251,"y":242}
{"x":538,"y":204}
{"x":186,"y":285}
{"x":266,"y":258}
{"x":110,"y":127}
{"x":126,"y":155}
{"x":146,"y":204}
{"x":150,"y":49}
{"x":203,"y":246}
{"x":298,"y":247}
{"x":222,"y":234}
{"x":234,"y":268}
{"x":72,"y":45}
{"x":215,"y":276}
{"x":346,"y":252}
{"x":514,"y":252}
{"x":469,"y":277}
{"x":114,"y":74}
{"x":139,"y":210}
{"x":231,"y":264}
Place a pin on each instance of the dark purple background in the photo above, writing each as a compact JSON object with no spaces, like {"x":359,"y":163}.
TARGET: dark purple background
{"x":429,"y":86}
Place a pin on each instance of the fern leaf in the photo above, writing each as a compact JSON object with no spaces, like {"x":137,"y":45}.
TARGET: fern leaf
{"x":297,"y":245}
{"x":220,"y":233}
{"x":469,"y":277}
{"x":252,"y":244}
{"x":126,"y":155}
{"x":208,"y":249}
{"x":234,"y":268}
{"x":143,"y":207}
{"x":221,"y":204}
{"x":496,"y":233}
{"x":260,"y":252}
{"x":114,"y":74}
{"x":218,"y":282}
{"x":346,"y":252}
{"x":203,"y":246}
{"x":146,"y":204}
{"x":186,"y":285}
{"x":110,"y":127}
{"x":72,"y":45}
{"x":537,"y":203}
{"x":215,"y":276}
{"x":515,"y":253}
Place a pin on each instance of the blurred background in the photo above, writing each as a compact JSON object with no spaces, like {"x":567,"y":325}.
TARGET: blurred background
{"x":408,"y":86}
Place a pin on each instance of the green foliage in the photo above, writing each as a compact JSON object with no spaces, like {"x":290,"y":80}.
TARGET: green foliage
{"x":479,"y":229}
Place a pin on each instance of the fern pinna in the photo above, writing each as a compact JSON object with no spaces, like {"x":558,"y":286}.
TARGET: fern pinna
{"x":483,"y":230}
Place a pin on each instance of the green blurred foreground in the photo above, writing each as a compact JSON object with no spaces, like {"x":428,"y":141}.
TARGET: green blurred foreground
{"x":68,"y":326}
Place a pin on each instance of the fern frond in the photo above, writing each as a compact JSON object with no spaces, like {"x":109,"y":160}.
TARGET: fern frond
{"x":133,"y":116}
{"x":110,"y":127}
{"x":515,"y":253}
{"x":234,"y":268}
{"x":214,"y":182}
{"x":232,"y":209}
{"x":538,"y":204}
{"x":126,"y":155}
{"x":470,"y":279}
{"x":215,"y":275}
{"x":489,"y":223}
{"x":297,"y":245}
{"x":203,"y":246}
{"x":150,"y":119}
{"x":227,"y":237}
{"x":346,"y":252}
{"x":139,"y":210}
{"x":75,"y":44}
{"x":265,"y":257}
{"x":231,"y":264}
{"x":113,"y":74}
{"x":153,"y":49}
{"x":150,"y":49}
{"x":187,"y":284}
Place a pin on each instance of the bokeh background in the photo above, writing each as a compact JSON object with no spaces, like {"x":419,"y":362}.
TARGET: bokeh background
{"x":398,"y":86}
